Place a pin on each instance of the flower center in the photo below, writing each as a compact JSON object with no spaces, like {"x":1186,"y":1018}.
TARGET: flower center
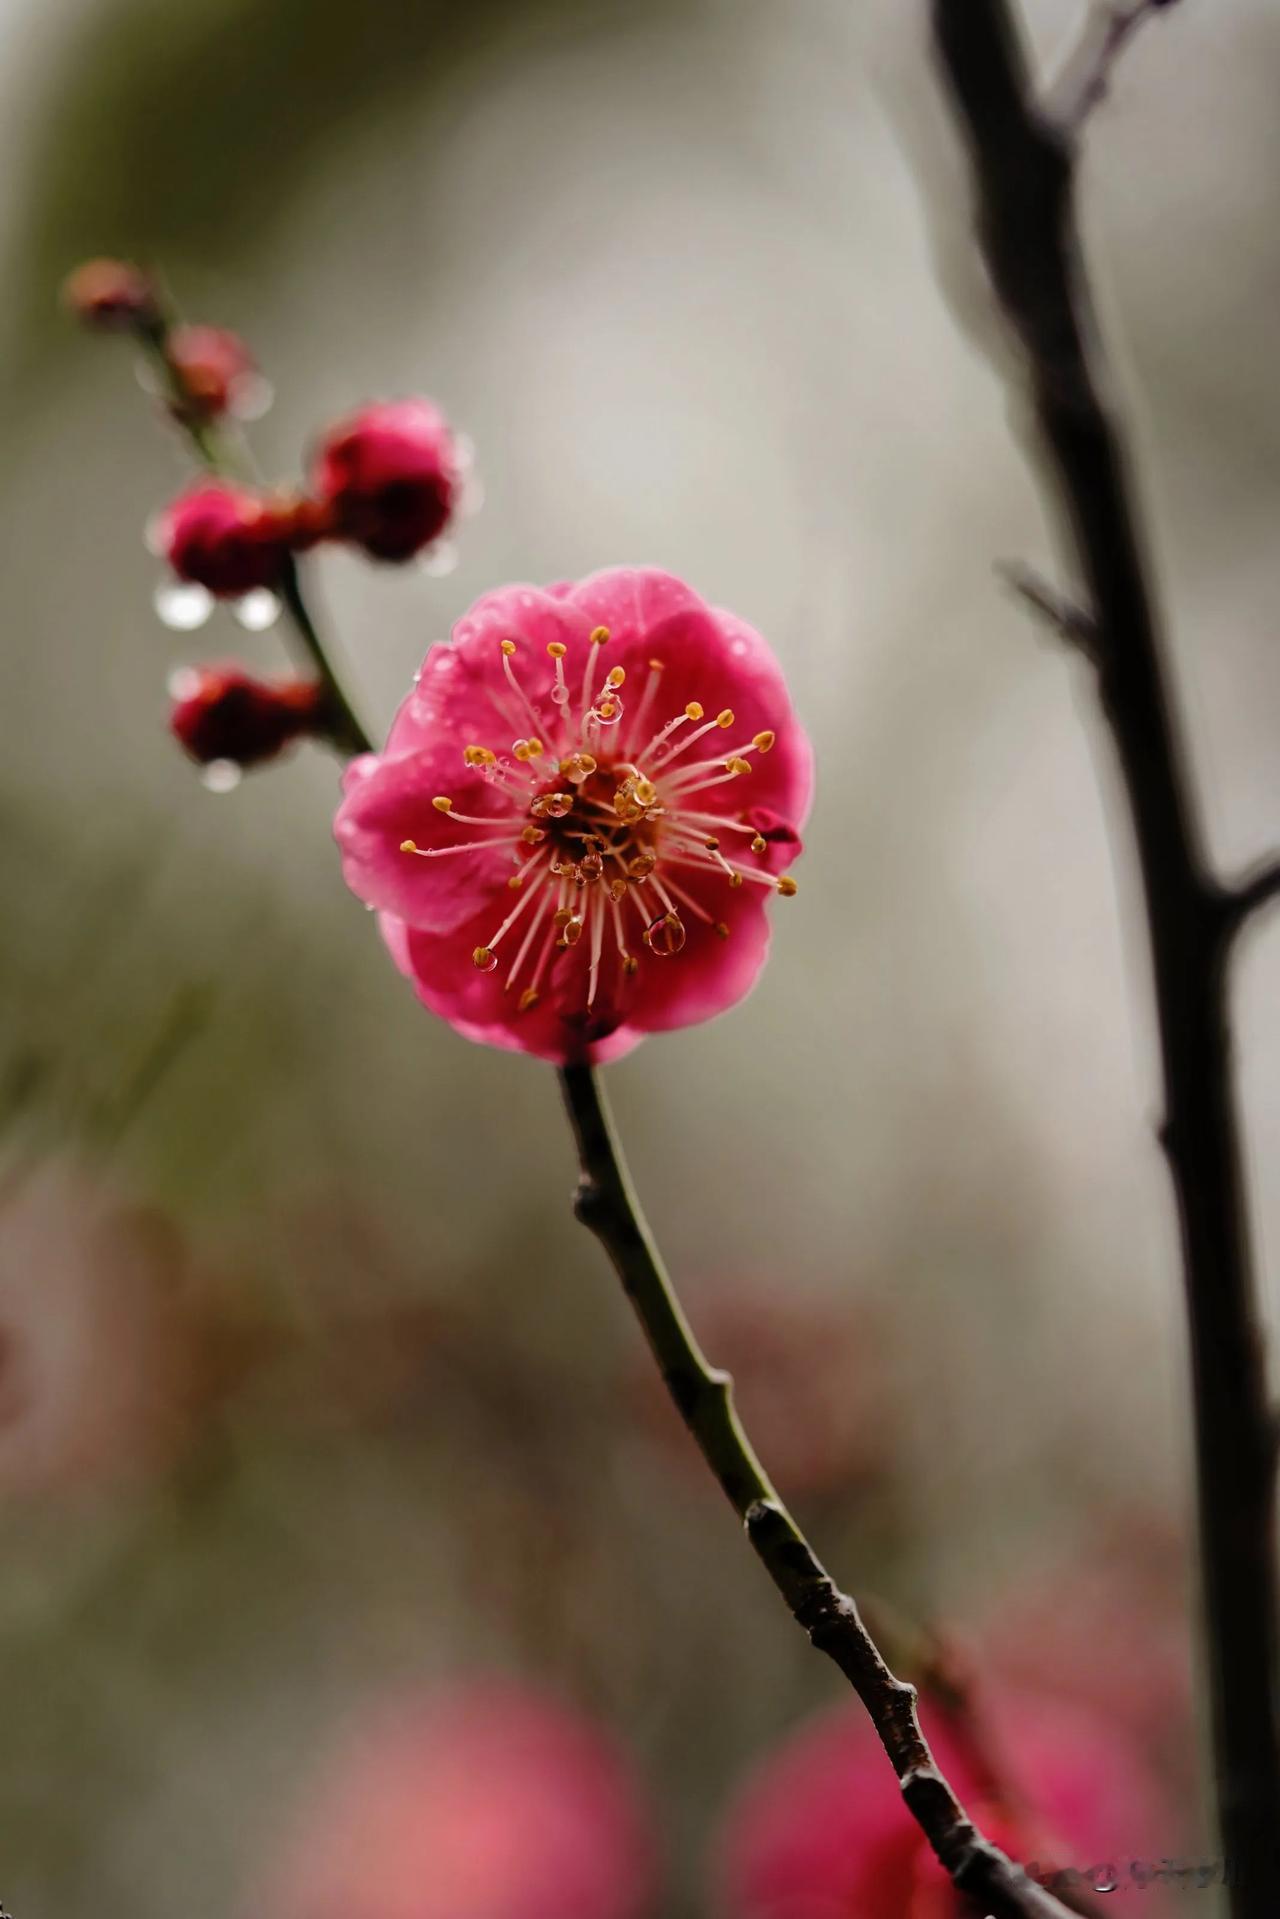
{"x":607,"y":823}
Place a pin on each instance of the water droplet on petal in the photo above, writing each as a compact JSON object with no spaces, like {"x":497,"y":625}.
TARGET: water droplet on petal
{"x":440,"y":558}
{"x":222,"y":776}
{"x":252,"y":396}
{"x":182,"y":606}
{"x":471,"y":498}
{"x":258,"y":610}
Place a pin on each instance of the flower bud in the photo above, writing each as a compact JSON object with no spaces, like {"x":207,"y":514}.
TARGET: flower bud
{"x":389,"y":476}
{"x":225,"y":538}
{"x":221,"y":713}
{"x":112,"y":295}
{"x":212,"y":366}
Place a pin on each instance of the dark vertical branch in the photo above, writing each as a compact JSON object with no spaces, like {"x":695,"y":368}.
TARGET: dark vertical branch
{"x":1023,"y":172}
{"x":703,"y":1396}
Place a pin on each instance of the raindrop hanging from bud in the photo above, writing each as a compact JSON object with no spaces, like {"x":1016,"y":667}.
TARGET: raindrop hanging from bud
{"x":182,"y":606}
{"x":258,"y":610}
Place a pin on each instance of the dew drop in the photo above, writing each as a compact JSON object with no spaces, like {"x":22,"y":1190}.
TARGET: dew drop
{"x":440,"y":559}
{"x":252,"y":396}
{"x":258,"y":610}
{"x":222,"y":776}
{"x":181,"y":605}
{"x":183,"y":683}
{"x":559,"y":695}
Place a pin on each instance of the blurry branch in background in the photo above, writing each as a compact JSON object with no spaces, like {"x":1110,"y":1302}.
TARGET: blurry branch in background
{"x":703,"y":1395}
{"x":1086,"y":76}
{"x":1023,"y":163}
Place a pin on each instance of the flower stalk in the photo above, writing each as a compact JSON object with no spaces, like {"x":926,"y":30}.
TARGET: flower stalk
{"x":703,"y":1395}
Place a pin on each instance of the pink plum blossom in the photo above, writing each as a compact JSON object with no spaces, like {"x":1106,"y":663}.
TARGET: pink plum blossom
{"x":488,"y":1802}
{"x":580,"y":813}
{"x":820,"y":1831}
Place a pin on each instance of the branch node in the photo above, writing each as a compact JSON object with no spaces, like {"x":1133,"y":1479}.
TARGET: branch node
{"x":1068,"y":619}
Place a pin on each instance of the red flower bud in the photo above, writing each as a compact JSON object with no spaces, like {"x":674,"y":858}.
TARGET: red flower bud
{"x":226,"y":538}
{"x":111,"y":295}
{"x":389,"y":476}
{"x":212,"y":366}
{"x":221,"y":713}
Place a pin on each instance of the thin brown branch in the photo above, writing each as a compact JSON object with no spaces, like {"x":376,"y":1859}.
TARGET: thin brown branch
{"x":703,"y":1396}
{"x":1024,"y":188}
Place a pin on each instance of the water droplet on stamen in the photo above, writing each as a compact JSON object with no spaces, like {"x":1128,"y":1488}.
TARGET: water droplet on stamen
{"x":560,"y":695}
{"x":222,"y":776}
{"x":182,"y":606}
{"x":440,"y":559}
{"x":258,"y":610}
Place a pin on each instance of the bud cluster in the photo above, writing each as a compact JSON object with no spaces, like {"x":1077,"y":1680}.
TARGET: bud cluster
{"x":385,"y":480}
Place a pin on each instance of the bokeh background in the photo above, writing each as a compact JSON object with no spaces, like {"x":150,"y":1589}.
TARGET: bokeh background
{"x":312,"y":1395}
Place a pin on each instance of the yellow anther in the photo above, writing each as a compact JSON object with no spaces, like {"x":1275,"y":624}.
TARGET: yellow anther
{"x":787,"y":887}
{"x":615,"y":677}
{"x":759,"y":843}
{"x":722,"y":929}
{"x":557,"y":649}
{"x":536,"y":749}
{"x":712,"y":846}
{"x":763,"y":741}
{"x":561,"y":917}
{"x":617,"y":889}
{"x":737,"y":765}
{"x":599,"y":634}
{"x":508,"y":647}
{"x":693,"y":711}
{"x":630,"y":963}
{"x":573,"y":929}
{"x":735,"y":879}
{"x":479,"y":756}
{"x":442,"y":804}
{"x":725,"y":718}
{"x":644,"y":792}
{"x":527,"y":999}
{"x":484,"y":959}
{"x":532,"y":835}
{"x":657,"y":666}
{"x":516,"y":882}
{"x":408,"y":846}
{"x":606,"y":709}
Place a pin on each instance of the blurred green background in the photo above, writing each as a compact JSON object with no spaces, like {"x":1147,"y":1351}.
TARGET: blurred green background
{"x":689,"y":274}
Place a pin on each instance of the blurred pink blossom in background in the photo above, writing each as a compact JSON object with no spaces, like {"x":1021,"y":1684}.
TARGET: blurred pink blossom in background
{"x":100,"y":1377}
{"x":819,"y":1830}
{"x":490,"y":1801}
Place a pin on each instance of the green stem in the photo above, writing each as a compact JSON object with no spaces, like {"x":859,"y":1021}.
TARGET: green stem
{"x":703,"y":1395}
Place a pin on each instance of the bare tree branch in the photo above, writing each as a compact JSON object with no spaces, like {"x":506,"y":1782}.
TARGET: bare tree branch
{"x":1086,"y":78}
{"x":1023,"y":174}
